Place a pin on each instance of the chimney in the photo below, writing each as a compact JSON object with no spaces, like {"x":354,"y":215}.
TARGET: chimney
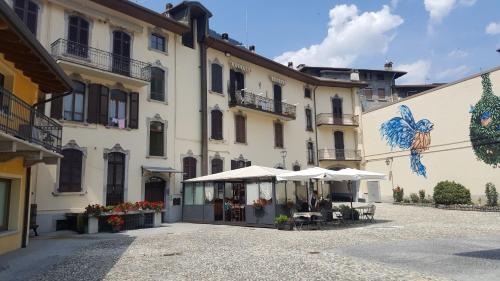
{"x":225,"y":36}
{"x":252,"y":48}
{"x":354,"y":75}
{"x":388,"y":65}
{"x":290,"y":64}
{"x":168,"y":7}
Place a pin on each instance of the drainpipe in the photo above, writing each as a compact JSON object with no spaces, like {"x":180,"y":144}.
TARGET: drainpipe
{"x":316,"y":129}
{"x":204,"y":109}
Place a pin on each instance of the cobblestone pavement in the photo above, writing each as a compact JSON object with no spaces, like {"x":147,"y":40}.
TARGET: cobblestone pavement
{"x":216,"y":252}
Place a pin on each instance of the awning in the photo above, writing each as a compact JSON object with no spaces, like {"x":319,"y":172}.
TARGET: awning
{"x":167,"y":170}
{"x":316,"y":173}
{"x":251,"y":172}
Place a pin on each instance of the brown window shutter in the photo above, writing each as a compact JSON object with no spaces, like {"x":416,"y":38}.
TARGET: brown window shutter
{"x":248,"y":163}
{"x":56,"y":108}
{"x":234,"y":164}
{"x":103,"y":105}
{"x":93,"y":103}
{"x":134,"y":110}
{"x":240,"y":129}
{"x":278,"y":135}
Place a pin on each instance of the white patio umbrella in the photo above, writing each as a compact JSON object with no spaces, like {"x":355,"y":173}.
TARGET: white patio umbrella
{"x":363,"y":175}
{"x":303,"y":175}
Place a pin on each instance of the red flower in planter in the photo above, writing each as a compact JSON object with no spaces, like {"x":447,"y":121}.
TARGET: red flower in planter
{"x":115,"y":221}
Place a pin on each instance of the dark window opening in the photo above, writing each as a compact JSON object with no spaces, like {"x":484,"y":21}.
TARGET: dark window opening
{"x":310,"y":153}
{"x":70,"y":173}
{"x":309,"y":123}
{"x":241,"y":134}
{"x":121,"y":53}
{"x":188,"y":37}
{"x":28,"y":12}
{"x":158,"y":42}
{"x":278,"y":108}
{"x":78,"y":36}
{"x":217,"y":165}
{"x":156,"y":139}
{"x":216,"y":78}
{"x":216,"y":116}
{"x":236,"y":83}
{"x":118,"y":109}
{"x":339,"y":145}
{"x":278,"y":135}
{"x":189,"y":167}
{"x":157,"y":84}
{"x":73,"y":104}
{"x":116,"y":179}
{"x":4,"y":203}
{"x":368,"y":93}
{"x":381,"y":94}
{"x":307,"y":93}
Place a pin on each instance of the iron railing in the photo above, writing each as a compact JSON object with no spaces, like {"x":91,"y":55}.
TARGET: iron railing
{"x":339,"y":154}
{"x":260,"y":103}
{"x":81,"y":54}
{"x":19,"y":119}
{"x":331,"y":119}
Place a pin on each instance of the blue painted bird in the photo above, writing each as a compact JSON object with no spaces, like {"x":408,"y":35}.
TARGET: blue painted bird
{"x":404,"y":133}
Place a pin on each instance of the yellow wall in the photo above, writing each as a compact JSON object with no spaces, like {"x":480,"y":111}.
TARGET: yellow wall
{"x":14,"y":169}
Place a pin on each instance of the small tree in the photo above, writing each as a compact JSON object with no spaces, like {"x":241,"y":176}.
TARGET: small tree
{"x":397,"y":194}
{"x":421,"y":194}
{"x":491,"y":195}
{"x":450,"y":192}
{"x":414,"y":198}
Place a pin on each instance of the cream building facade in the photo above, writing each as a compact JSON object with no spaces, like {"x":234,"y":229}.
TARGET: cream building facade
{"x":464,"y":122}
{"x":160,"y":99}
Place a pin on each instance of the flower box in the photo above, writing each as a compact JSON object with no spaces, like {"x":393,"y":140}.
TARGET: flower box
{"x":93,"y":225}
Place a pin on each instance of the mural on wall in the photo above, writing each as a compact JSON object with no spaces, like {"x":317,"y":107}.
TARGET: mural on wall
{"x":405,"y":133}
{"x":485,"y":125}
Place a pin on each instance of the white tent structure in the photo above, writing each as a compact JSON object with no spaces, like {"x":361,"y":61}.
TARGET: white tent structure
{"x":362,"y":175}
{"x":316,"y":173}
{"x":242,"y":173}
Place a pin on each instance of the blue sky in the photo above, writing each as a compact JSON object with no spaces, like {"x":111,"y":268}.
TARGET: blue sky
{"x":434,"y":40}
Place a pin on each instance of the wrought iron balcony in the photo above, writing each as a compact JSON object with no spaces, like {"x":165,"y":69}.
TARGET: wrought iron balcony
{"x":339,"y":155}
{"x":95,"y":58}
{"x":250,"y":100}
{"x":21,"y":120}
{"x":340,"y":120}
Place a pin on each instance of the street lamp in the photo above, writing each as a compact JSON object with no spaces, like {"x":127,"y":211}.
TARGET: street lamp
{"x":283,"y":155}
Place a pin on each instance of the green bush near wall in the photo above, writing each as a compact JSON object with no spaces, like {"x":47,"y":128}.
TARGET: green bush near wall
{"x":450,"y":192}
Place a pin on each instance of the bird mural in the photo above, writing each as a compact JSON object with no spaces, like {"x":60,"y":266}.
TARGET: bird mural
{"x":405,"y":133}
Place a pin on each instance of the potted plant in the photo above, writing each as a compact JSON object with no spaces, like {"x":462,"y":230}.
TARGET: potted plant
{"x":116,"y":222}
{"x":282,"y":222}
{"x":158,"y":208}
{"x":259,"y":204}
{"x":93,"y":212}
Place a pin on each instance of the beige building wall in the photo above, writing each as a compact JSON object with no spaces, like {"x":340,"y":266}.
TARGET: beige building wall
{"x":450,"y":155}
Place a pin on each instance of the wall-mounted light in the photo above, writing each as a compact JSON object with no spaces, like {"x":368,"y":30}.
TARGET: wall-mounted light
{"x":388,"y":161}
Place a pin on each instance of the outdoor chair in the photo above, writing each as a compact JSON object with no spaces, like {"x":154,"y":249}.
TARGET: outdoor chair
{"x":337,"y":217}
{"x":370,"y":213}
{"x":299,"y":222}
{"x":319,"y":221}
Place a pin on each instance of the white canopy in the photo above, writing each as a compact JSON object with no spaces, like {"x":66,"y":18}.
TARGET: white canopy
{"x":316,"y":173}
{"x":363,"y":175}
{"x":242,"y":173}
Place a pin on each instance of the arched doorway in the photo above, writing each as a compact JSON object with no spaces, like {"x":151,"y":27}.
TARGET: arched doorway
{"x":155,"y":189}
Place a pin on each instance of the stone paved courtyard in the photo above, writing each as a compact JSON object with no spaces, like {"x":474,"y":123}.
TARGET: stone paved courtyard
{"x":406,"y":243}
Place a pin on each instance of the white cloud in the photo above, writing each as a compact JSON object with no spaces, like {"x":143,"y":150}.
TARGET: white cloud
{"x":439,"y":9}
{"x":457,"y":54}
{"x":349,"y":36}
{"x":453,"y":73}
{"x":417,"y":72}
{"x":493,"y":28}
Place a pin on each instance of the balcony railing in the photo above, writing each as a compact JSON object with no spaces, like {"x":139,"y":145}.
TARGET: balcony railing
{"x":342,"y":120}
{"x":339,"y":154}
{"x":19,"y":119}
{"x":81,"y":54}
{"x":264,"y":104}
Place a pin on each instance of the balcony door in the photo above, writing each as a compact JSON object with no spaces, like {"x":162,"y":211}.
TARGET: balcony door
{"x":339,"y":145}
{"x":278,"y":107}
{"x":236,"y":83}
{"x":121,"y":53}
{"x":155,"y":190}
{"x":78,"y":37}
{"x":116,"y":179}
{"x":337,"y":110}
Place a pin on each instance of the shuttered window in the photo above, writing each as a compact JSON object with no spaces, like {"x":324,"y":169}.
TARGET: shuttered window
{"x":157,"y":84}
{"x":309,"y":125}
{"x":97,"y":112}
{"x":156,"y":139}
{"x":217,"y":165}
{"x":241,"y":131}
{"x":216,"y":117}
{"x":73,"y":104}
{"x":368,"y":93}
{"x":310,"y":153}
{"x":278,"y":135}
{"x":189,"y":167}
{"x":28,"y":12}
{"x":216,"y":78}
{"x":70,"y":173}
{"x":134,"y":111}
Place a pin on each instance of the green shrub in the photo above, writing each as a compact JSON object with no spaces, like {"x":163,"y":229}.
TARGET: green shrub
{"x":406,"y":200}
{"x":491,"y":195}
{"x":281,"y":219}
{"x":414,"y":198}
{"x":421,"y":194}
{"x":450,"y":192}
{"x":397,"y":194}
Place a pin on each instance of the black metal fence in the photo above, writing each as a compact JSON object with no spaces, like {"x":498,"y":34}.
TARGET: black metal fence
{"x":19,"y":119}
{"x":331,"y":119}
{"x":130,"y":222}
{"x":81,"y":54}
{"x":339,"y":154}
{"x":261,"y":103}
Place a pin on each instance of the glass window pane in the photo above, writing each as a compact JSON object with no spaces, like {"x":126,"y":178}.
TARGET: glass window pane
{"x":4,"y":203}
{"x":252,"y":192}
{"x":209,"y":192}
{"x":198,"y":194}
{"x":280,"y":193}
{"x":79,"y":107}
{"x":188,"y":194}
{"x":68,"y":107}
{"x":121,"y":109}
{"x":266,"y":190}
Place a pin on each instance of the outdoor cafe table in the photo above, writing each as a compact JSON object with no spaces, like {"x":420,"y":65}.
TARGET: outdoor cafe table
{"x":307,"y":215}
{"x":362,"y":209}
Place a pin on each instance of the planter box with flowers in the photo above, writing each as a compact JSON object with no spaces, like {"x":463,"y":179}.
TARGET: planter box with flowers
{"x":116,"y":216}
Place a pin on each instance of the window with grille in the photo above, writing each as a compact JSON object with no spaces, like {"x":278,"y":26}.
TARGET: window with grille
{"x":189,"y":167}
{"x":70,"y":173}
{"x":217,"y":165}
{"x":156,"y":138}
{"x":116,"y":179}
